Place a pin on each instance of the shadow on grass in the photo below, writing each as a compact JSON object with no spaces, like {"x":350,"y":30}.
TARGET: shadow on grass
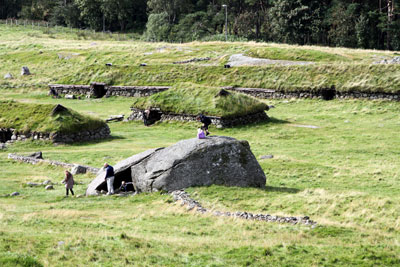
{"x":276,"y":121}
{"x":108,"y":139}
{"x":282,"y":189}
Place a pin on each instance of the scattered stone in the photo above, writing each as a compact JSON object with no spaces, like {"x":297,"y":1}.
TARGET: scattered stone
{"x":31,"y":184}
{"x":143,"y":65}
{"x":49,"y":187}
{"x":47,"y":182}
{"x":8,"y":76}
{"x":3,"y":146}
{"x":305,"y":126}
{"x":78,"y":169}
{"x":186,"y":200}
{"x":192,"y":60}
{"x":70,"y":97}
{"x":115,"y":118}
{"x":60,"y":243}
{"x":79,"y":196}
{"x":25,"y":71}
{"x":395,"y":60}
{"x":14,"y":194}
{"x":148,"y":53}
{"x":109,"y":64}
{"x":267,"y":157}
{"x":227,"y":66}
{"x":93,"y":44}
{"x":36,"y":155}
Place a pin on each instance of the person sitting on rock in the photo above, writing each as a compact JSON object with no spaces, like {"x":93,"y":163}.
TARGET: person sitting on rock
{"x":206,"y":122}
{"x":69,"y":182}
{"x":200,"y":133}
{"x":109,"y":178}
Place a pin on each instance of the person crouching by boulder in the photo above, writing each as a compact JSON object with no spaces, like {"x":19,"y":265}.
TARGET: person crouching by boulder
{"x":206,"y":122}
{"x":109,"y":178}
{"x":69,"y":182}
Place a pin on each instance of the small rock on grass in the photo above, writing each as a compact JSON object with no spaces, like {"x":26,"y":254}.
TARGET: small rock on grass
{"x":31,"y":184}
{"x":267,"y":157}
{"x":15,"y":194}
{"x":49,"y":187}
{"x":47,"y":182}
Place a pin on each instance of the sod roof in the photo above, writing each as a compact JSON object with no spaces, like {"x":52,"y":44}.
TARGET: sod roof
{"x":188,"y":98}
{"x":40,"y":118}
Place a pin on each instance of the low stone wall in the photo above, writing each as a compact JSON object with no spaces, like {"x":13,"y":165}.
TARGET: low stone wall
{"x":134,"y":91}
{"x":219,"y":122}
{"x":326,"y":94}
{"x":32,"y":160}
{"x":127,"y":91}
{"x":100,"y":133}
{"x":61,"y":89}
{"x":140,"y":91}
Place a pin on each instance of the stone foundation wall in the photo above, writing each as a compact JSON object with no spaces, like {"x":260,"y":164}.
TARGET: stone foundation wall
{"x":127,"y":91}
{"x":134,"y":91}
{"x":140,"y":91}
{"x":321,"y":94}
{"x":32,"y":160}
{"x":101,"y":133}
{"x":219,"y":122}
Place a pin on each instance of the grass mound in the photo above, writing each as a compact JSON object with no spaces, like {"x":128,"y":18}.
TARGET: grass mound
{"x":188,"y":98}
{"x":39,"y":118}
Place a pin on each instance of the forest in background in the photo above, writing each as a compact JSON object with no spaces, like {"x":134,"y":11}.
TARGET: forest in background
{"x":371,"y":24}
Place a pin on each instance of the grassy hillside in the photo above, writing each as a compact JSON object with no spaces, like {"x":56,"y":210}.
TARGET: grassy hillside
{"x":335,"y":161}
{"x":68,"y":58}
{"x":26,"y":118}
{"x":187,"y":98}
{"x":344,"y":175}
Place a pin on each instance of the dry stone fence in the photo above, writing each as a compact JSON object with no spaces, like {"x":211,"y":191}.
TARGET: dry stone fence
{"x":97,"y":90}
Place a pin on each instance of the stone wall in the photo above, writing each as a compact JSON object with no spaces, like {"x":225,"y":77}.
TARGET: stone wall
{"x":219,"y":122}
{"x":326,"y":94}
{"x":127,"y":91}
{"x":100,"y":133}
{"x":139,"y":91}
{"x":33,"y":160}
{"x":135,"y":91}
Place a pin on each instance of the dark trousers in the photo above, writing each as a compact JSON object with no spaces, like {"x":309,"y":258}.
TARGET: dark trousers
{"x":72,"y":192}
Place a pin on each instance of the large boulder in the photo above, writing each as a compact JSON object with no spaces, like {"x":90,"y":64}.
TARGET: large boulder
{"x":193,"y":162}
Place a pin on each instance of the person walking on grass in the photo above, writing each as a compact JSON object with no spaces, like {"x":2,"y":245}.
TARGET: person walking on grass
{"x":206,"y":122}
{"x":109,"y":178}
{"x":69,"y":182}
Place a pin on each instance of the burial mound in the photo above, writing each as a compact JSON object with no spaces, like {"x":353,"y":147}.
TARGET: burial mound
{"x":20,"y":121}
{"x":216,"y":160}
{"x":185,"y":101}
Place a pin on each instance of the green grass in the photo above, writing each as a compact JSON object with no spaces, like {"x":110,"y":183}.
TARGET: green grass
{"x":187,"y":98}
{"x":344,"y":175}
{"x":346,"y":69}
{"x":26,"y":118}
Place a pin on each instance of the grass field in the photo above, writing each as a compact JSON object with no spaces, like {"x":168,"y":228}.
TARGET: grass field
{"x":63,"y":58}
{"x":343,"y":174}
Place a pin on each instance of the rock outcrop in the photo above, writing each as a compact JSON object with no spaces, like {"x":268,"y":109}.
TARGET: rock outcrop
{"x":193,"y":162}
